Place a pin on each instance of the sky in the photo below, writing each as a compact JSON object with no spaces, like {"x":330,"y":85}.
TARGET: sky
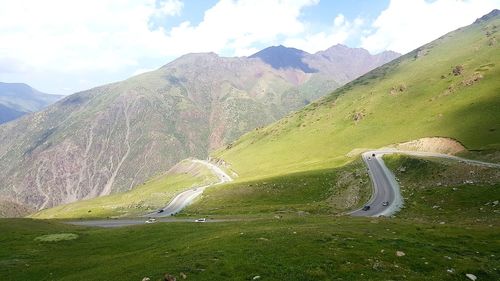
{"x":62,"y":47}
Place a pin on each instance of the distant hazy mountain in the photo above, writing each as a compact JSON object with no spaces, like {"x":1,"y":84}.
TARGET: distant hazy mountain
{"x":7,"y":114}
{"x":17,"y":99}
{"x":116,"y":136}
{"x":339,"y":62}
{"x":354,"y":61}
{"x":283,"y":57}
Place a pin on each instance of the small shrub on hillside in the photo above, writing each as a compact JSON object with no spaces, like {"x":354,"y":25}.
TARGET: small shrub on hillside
{"x":458,"y":70}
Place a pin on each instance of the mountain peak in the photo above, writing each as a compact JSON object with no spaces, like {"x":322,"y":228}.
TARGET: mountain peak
{"x":284,"y":57}
{"x":488,"y":16}
{"x":338,"y":46}
{"x":207,"y":55}
{"x":6,"y":86}
{"x":191,"y":58}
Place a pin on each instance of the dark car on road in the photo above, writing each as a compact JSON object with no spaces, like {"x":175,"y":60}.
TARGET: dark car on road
{"x":366,"y":208}
{"x":161,"y":211}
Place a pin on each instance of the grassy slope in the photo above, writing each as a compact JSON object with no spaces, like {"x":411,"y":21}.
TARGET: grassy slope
{"x":328,"y":191}
{"x":149,"y":196}
{"x":438,"y":190}
{"x":432,"y":102}
{"x":314,"y":246}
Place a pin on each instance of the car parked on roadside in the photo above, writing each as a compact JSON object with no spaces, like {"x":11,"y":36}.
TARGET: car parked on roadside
{"x":151,"y":221}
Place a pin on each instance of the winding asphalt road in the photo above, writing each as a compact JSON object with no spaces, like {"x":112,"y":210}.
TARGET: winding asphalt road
{"x":126,"y":222}
{"x":385,"y":188}
{"x":384,"y":184}
{"x":185,"y":198}
{"x":179,"y":202}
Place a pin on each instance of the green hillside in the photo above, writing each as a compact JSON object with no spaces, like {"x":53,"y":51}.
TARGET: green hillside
{"x":449,"y":88}
{"x":328,"y":191}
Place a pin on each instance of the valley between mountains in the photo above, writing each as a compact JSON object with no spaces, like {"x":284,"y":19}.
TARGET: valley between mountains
{"x":114,"y":137}
{"x":338,"y":165}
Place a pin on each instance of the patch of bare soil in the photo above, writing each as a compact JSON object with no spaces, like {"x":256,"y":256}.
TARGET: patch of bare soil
{"x":433,"y":144}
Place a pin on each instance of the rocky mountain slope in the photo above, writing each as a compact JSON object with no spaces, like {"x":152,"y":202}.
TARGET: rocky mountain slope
{"x":353,"y":61}
{"x":17,"y":99}
{"x":447,"y":88}
{"x":114,"y":137}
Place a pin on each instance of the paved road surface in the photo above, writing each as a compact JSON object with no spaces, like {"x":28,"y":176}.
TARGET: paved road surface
{"x":385,"y":189}
{"x":186,"y":197}
{"x":176,"y":205}
{"x":385,"y":186}
{"x":127,"y":222}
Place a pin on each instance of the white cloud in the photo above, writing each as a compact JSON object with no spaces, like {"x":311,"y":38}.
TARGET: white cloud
{"x":9,"y":65}
{"x":237,"y":26}
{"x":74,"y":36}
{"x":111,"y":34}
{"x":171,"y":7}
{"x":341,"y":30}
{"x":408,"y":24}
{"x":114,"y":38}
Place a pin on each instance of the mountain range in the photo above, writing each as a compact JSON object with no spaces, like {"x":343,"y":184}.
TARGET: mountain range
{"x":440,"y":97}
{"x":446,"y":88}
{"x":17,"y":99}
{"x":116,"y":136}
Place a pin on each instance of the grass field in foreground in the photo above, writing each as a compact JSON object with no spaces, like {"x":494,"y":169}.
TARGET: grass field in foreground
{"x":151,"y":195}
{"x":293,"y":248}
{"x":307,"y":246}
